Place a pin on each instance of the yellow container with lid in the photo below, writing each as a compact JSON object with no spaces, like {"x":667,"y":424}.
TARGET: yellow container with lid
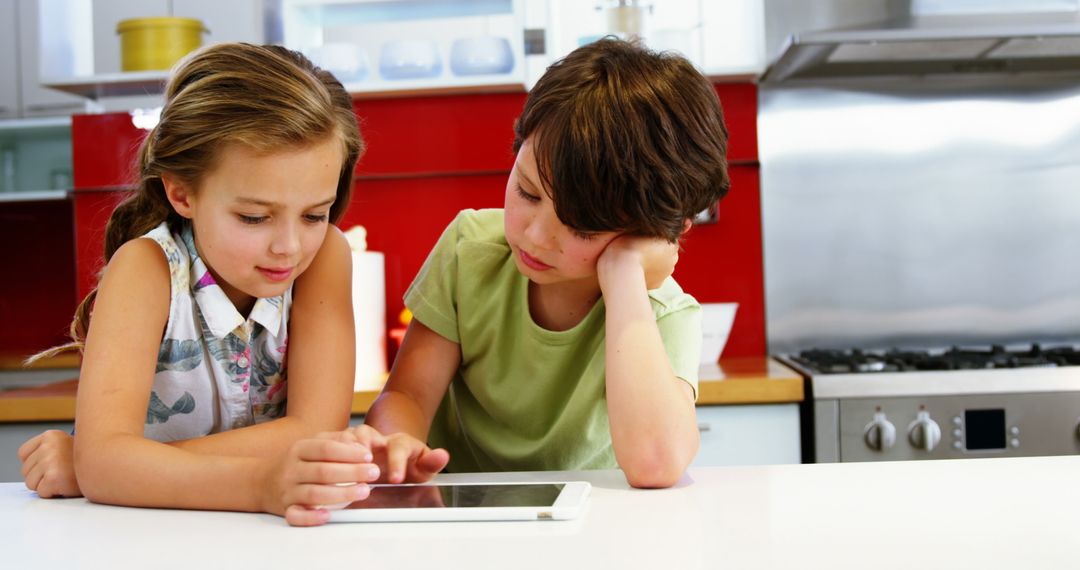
{"x":157,"y":43}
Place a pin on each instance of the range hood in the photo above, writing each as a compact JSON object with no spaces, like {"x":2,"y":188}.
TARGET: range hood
{"x":934,"y":45}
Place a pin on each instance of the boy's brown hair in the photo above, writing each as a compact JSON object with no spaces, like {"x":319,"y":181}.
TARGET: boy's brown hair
{"x":626,"y":139}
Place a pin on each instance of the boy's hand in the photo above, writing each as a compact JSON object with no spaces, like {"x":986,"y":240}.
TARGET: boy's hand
{"x":406,"y":459}
{"x":655,"y":256}
{"x":48,"y":465}
{"x":328,"y":471}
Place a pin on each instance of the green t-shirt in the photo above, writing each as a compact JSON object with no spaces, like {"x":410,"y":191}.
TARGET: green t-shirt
{"x":525,"y":398}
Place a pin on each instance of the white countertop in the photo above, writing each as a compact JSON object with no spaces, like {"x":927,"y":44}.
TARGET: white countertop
{"x":974,"y":513}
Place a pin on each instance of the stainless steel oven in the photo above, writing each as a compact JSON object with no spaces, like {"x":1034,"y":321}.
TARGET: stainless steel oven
{"x":922,"y":206}
{"x":948,"y":404}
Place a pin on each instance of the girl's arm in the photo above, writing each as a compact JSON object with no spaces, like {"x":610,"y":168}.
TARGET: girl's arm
{"x":421,"y":374}
{"x":651,"y":412}
{"x":321,"y":361}
{"x":115,"y":464}
{"x":320,"y":388}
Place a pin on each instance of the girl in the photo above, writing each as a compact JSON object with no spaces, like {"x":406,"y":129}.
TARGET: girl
{"x":182,"y":392}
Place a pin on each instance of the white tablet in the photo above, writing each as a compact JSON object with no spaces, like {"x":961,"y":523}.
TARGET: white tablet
{"x":468,"y":502}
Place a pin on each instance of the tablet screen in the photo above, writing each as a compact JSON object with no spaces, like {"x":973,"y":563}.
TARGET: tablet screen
{"x":457,"y":496}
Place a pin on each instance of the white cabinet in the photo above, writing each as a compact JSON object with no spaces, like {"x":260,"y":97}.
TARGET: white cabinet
{"x":82,"y":35}
{"x":733,"y":37}
{"x":9,"y":61}
{"x":229,"y":21}
{"x":764,"y":434}
{"x":37,"y":100}
{"x":410,"y":45}
{"x":760,"y":434}
{"x":106,"y":14}
{"x":720,"y":37}
{"x":232,"y":21}
{"x":21,"y":92}
{"x":35,"y":133}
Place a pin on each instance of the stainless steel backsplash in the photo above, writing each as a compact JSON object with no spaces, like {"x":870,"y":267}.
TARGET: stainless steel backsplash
{"x":922,"y":213}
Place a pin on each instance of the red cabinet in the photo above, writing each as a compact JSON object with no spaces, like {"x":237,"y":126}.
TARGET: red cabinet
{"x":438,"y":135}
{"x":429,"y":157}
{"x":37,"y":291}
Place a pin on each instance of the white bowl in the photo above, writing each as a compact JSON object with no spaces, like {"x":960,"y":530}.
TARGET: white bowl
{"x":716,"y":322}
{"x":348,"y":62}
{"x":481,"y":55}
{"x":410,"y":59}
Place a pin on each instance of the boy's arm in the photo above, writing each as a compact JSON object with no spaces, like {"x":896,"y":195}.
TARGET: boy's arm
{"x":651,"y":412}
{"x":421,"y":374}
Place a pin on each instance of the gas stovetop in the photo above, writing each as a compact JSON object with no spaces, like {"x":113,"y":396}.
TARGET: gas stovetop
{"x":825,"y":361}
{"x":856,"y":373}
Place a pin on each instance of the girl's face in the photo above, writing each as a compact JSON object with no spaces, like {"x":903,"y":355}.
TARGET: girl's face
{"x":545,"y":250}
{"x":259,"y":219}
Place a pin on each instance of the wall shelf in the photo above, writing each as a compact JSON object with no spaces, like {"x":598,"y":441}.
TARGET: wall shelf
{"x":35,"y":156}
{"x":33,"y":195}
{"x":13,"y":126}
{"x":121,"y":84}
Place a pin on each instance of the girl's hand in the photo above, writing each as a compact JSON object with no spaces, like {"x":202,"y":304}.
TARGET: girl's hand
{"x":406,"y":459}
{"x":48,"y":465}
{"x":655,"y":256}
{"x":328,"y":471}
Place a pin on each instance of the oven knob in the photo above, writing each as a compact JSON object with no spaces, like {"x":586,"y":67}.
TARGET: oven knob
{"x":924,"y":433}
{"x":880,"y":434}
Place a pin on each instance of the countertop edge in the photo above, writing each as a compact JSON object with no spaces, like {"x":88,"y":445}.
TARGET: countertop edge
{"x":753,"y":380}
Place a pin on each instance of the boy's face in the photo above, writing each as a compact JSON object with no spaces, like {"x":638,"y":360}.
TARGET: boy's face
{"x":545,"y":250}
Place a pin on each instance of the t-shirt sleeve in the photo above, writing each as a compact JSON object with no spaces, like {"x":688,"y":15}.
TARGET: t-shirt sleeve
{"x":681,"y":333}
{"x":432,"y":296}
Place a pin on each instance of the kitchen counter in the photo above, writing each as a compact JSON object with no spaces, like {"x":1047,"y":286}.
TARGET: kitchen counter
{"x":760,"y":380}
{"x":974,"y":513}
{"x":13,"y":361}
{"x":732,"y":381}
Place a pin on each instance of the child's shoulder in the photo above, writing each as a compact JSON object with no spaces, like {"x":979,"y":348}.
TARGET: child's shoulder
{"x":139,"y":260}
{"x":484,"y":225}
{"x":163,"y":249}
{"x":669,"y":297}
{"x":164,"y":237}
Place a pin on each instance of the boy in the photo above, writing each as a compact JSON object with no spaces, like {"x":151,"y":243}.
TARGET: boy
{"x":549,"y":335}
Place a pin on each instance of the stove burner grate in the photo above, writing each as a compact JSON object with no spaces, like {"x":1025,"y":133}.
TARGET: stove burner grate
{"x":831,"y":361}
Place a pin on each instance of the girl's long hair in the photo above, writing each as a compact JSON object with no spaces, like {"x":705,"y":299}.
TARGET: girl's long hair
{"x":267,"y":98}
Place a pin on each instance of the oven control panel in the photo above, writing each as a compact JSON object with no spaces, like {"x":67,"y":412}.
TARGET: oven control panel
{"x":951,"y":427}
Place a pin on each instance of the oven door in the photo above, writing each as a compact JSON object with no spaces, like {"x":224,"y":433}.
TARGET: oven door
{"x":952,"y":427}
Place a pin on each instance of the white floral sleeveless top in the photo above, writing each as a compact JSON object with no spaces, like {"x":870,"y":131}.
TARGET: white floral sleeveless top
{"x":216,"y":370}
